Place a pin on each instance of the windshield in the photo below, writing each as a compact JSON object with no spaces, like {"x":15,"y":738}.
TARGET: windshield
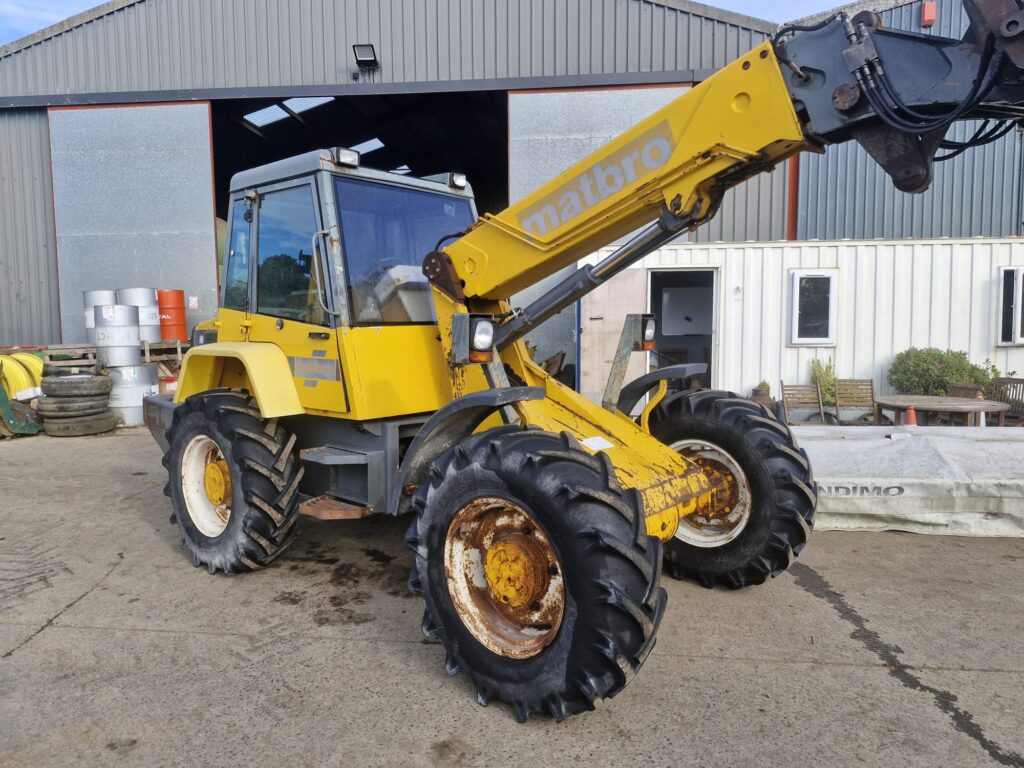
{"x":386,"y":232}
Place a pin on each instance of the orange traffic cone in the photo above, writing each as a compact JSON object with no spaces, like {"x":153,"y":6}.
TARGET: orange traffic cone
{"x":911,"y":418}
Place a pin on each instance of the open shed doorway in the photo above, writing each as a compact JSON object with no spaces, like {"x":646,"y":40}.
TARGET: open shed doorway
{"x":420,"y":134}
{"x":683,"y":301}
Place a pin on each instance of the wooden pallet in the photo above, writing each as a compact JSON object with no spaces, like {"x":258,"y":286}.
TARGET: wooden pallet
{"x":164,"y":352}
{"x":79,"y":357}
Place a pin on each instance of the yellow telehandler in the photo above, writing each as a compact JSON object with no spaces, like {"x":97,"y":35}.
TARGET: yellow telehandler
{"x":367,"y":359}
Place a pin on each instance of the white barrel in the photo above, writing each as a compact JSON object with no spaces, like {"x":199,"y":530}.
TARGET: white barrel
{"x":92,"y":299}
{"x":133,"y":375}
{"x":149,"y":323}
{"x":137,"y":297}
{"x":149,"y":312}
{"x":126,"y":401}
{"x":117,"y":335}
{"x":90,"y":325}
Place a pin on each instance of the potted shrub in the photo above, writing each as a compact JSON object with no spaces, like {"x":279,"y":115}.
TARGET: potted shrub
{"x":762,"y":394}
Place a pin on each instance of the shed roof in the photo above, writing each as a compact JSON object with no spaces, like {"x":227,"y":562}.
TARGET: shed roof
{"x":145,"y":50}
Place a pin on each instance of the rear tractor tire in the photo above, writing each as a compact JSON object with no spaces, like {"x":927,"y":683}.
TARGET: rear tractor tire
{"x":539,"y":578}
{"x":233,"y":482}
{"x":765,"y":498}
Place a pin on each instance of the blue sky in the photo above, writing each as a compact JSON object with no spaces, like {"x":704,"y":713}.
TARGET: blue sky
{"x":22,"y":17}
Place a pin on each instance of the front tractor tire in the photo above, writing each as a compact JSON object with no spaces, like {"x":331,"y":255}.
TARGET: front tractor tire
{"x":233,"y":482}
{"x":763,"y":509}
{"x":539,"y":578}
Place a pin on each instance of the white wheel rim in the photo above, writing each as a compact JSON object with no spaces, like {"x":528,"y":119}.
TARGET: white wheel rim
{"x":211,"y":519}
{"x":720,"y":526}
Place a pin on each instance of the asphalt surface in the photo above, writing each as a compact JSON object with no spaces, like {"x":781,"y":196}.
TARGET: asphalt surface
{"x":875,"y":649}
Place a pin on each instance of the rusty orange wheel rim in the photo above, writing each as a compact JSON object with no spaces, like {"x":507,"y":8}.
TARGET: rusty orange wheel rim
{"x":504,"y":577}
{"x":732,"y":498}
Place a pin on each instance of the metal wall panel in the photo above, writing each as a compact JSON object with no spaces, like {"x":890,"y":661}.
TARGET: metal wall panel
{"x":134,"y":202}
{"x":844,"y":194}
{"x":891,"y":295}
{"x":175,"y":45}
{"x":29,"y":312}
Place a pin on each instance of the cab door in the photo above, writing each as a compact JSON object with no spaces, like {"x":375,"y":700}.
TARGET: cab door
{"x":233,"y":318}
{"x":289,"y":308}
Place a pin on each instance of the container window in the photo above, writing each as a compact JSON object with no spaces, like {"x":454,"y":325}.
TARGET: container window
{"x":814,"y":307}
{"x":1011,"y":307}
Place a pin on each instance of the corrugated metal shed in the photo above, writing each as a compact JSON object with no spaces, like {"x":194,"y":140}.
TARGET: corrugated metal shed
{"x":29,"y":312}
{"x":128,"y":51}
{"x":844,"y":194}
{"x":891,"y":295}
{"x":204,"y":49}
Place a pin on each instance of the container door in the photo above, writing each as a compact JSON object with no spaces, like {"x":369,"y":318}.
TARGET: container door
{"x":683,"y":301}
{"x":287,"y":307}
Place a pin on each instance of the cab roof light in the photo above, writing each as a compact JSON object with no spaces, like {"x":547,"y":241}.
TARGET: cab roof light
{"x":349,"y":157}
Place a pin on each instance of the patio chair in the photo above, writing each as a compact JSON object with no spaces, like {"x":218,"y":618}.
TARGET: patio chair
{"x":805,"y":396}
{"x":856,"y":394}
{"x":1010,"y":391}
{"x":971,"y":391}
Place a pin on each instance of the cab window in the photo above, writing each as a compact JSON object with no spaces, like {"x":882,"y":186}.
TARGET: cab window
{"x":236,"y":270}
{"x":387,"y":231}
{"x":285,"y":286}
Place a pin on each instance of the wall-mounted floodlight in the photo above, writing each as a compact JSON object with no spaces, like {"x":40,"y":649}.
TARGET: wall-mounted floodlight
{"x":366,"y":56}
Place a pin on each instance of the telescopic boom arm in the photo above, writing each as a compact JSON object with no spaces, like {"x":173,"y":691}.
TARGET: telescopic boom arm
{"x":895,"y":92}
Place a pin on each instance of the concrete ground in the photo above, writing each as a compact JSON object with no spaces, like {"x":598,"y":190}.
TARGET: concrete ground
{"x":875,"y":649}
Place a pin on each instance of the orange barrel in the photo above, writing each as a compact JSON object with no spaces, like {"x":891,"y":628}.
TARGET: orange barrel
{"x":172,"y":315}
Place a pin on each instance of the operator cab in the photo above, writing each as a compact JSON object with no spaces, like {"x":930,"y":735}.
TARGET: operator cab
{"x":334,"y":243}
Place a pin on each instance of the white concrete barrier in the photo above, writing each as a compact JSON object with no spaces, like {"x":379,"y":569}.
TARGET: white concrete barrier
{"x":964,"y":481}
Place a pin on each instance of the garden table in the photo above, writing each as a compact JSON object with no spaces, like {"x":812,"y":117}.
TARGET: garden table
{"x":939,"y":404}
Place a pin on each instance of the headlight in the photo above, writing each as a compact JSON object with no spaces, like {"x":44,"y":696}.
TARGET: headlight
{"x":483,"y":336}
{"x":457,"y":180}
{"x":649,"y":329}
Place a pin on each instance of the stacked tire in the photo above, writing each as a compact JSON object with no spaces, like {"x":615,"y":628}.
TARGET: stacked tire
{"x":76,"y":405}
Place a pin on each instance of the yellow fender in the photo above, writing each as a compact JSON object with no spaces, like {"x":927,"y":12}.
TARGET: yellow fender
{"x":14,"y":377}
{"x":261,"y":368}
{"x":32,"y":363}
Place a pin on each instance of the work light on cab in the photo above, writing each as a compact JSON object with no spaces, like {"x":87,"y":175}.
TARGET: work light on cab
{"x":349,"y":157}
